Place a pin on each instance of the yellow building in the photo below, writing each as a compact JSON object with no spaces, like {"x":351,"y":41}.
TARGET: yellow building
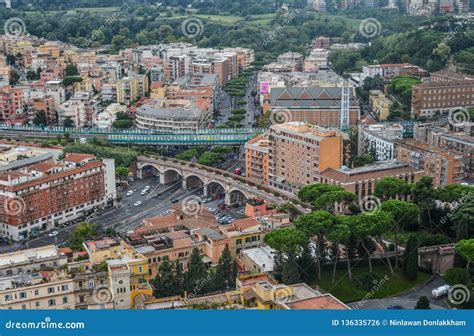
{"x":380,"y":104}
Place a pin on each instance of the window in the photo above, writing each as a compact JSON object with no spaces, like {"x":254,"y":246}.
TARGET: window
{"x":64,"y":287}
{"x":238,"y":241}
{"x":23,"y":295}
{"x":64,"y":299}
{"x":37,"y":304}
{"x":51,"y":302}
{"x":50,"y":290}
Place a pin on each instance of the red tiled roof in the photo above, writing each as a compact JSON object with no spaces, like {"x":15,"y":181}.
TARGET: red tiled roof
{"x":74,"y":157}
{"x":246,"y":223}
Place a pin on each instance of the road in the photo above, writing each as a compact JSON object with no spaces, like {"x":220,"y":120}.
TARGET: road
{"x":408,"y":299}
{"x":125,"y":217}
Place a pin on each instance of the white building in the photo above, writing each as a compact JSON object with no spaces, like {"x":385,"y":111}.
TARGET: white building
{"x":379,"y":140}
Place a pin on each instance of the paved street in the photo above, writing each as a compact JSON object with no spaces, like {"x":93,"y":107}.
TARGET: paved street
{"x":125,"y":217}
{"x":407,"y":300}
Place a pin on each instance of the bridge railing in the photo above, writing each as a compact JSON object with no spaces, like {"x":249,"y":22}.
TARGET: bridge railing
{"x":267,"y":189}
{"x":131,"y":131}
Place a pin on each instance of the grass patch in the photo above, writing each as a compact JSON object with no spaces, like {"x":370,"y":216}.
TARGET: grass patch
{"x":226,"y":19}
{"x":346,"y":291}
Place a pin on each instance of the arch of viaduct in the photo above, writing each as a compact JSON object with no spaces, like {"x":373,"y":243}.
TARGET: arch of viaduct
{"x":194,"y":175}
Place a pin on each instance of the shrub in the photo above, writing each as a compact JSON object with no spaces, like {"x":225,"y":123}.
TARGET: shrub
{"x":367,"y":280}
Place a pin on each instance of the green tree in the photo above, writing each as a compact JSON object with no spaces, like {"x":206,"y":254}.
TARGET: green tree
{"x":410,"y":258}
{"x":121,"y":172}
{"x":333,"y":200}
{"x":423,"y":303}
{"x":196,"y":273}
{"x":68,"y":122}
{"x":165,"y":283}
{"x":423,"y":195}
{"x":391,"y":187}
{"x":224,"y":276}
{"x":40,"y":119}
{"x":14,"y":77}
{"x":463,"y":219}
{"x":82,"y":232}
{"x":465,"y":248}
{"x":316,"y":223}
{"x":71,"y":70}
{"x":457,"y":275}
{"x":362,"y":160}
{"x":341,"y":234}
{"x":405,"y":216}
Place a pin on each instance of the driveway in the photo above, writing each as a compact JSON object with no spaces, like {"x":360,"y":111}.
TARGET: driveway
{"x":408,"y":299}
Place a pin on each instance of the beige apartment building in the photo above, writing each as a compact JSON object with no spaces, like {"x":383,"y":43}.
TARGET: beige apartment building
{"x":257,"y":159}
{"x":299,"y":152}
{"x":43,"y":290}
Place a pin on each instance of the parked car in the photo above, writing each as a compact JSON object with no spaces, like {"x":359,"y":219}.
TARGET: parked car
{"x":174,"y":200}
{"x":53,"y":234}
{"x":130,"y":193}
{"x":144,"y":192}
{"x":395,"y":307}
{"x":138,"y":203}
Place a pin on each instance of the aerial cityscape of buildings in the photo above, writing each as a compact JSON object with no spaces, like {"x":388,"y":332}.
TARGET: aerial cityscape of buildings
{"x":177,"y":176}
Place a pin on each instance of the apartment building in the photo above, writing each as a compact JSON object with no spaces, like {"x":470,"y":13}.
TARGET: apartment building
{"x":448,"y":76}
{"x":174,"y":115}
{"x":390,"y":70}
{"x":299,"y":152}
{"x":81,"y":108}
{"x":378,"y":140}
{"x":315,"y":105}
{"x":126,"y":90}
{"x":257,"y":159}
{"x":439,"y":98}
{"x":42,"y":195}
{"x":361,"y":181}
{"x":445,"y":167}
{"x":44,"y":104}
{"x":458,"y":141}
{"x":197,"y":86}
{"x":43,"y":290}
{"x":379,"y":104}
{"x":31,"y":261}
{"x":11,"y":102}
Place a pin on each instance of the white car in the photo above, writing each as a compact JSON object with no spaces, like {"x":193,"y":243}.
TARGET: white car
{"x":440,"y":291}
{"x":144,"y":192}
{"x":130,"y":193}
{"x":138,"y":203}
{"x":53,"y":234}
{"x":147,"y":187}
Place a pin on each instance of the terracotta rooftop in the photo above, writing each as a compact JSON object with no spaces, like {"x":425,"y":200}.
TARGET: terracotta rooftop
{"x":74,"y":157}
{"x":353,"y":175}
{"x":319,"y":302}
{"x":246,"y":223}
{"x":45,"y":166}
